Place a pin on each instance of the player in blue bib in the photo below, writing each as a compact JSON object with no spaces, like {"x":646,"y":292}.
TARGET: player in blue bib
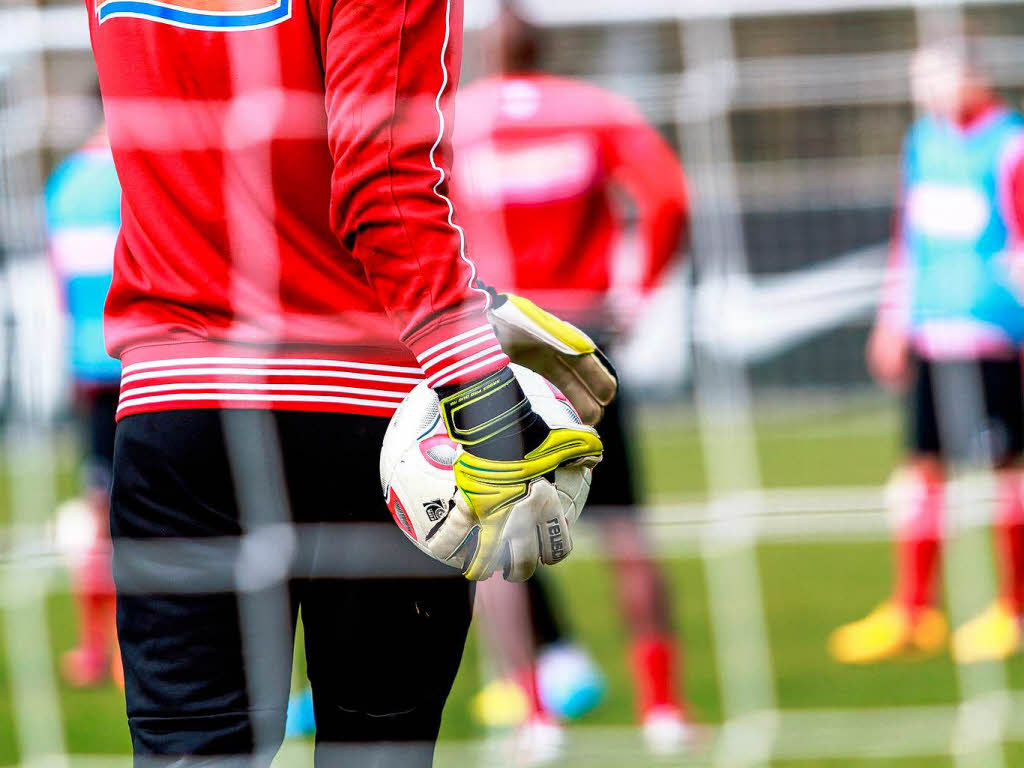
{"x":83,"y":209}
{"x":949,"y":331}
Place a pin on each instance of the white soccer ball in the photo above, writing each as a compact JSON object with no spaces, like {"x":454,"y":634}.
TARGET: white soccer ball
{"x":417,"y":457}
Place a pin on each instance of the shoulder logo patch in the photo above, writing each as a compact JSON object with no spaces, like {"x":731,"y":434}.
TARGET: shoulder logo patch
{"x":209,"y":15}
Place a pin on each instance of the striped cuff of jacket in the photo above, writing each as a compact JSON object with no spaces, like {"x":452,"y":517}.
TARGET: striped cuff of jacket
{"x":470,"y":354}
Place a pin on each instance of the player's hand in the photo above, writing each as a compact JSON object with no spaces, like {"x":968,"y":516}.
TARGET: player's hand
{"x":888,"y":357}
{"x":507,"y":514}
{"x":558,"y":351}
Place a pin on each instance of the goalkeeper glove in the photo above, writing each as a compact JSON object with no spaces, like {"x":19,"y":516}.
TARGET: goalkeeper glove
{"x":558,"y":351}
{"x":507,"y":513}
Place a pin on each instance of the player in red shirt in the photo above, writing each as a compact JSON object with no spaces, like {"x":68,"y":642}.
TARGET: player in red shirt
{"x":568,"y":194}
{"x":288,"y":268}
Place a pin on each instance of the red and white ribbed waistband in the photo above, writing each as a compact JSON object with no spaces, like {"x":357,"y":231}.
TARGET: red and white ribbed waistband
{"x":307,"y":383}
{"x":367,"y":381}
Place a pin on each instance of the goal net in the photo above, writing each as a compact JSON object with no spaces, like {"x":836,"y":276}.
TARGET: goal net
{"x":766,"y":450}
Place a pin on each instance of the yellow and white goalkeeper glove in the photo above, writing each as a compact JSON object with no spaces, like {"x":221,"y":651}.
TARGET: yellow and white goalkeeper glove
{"x":558,"y":351}
{"x":507,"y":513}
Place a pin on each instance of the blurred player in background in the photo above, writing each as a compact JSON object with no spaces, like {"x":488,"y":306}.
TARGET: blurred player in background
{"x":83,"y":207}
{"x":549,"y":173}
{"x":949,"y":330}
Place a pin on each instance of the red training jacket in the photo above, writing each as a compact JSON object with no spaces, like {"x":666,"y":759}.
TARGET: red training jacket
{"x":545,"y":170}
{"x":287,"y":239}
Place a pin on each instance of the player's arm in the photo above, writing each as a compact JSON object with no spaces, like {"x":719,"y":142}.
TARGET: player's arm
{"x":1014,"y":169}
{"x":54,"y":245}
{"x":645,"y":166}
{"x":391,"y":71}
{"x":888,"y":345}
{"x":894,"y":306}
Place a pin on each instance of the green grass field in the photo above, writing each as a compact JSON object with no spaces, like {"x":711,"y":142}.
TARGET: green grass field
{"x":808,"y":588}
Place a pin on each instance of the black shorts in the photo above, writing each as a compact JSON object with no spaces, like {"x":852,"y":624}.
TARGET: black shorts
{"x":97,"y":411}
{"x":969,"y":412}
{"x":206,"y":624}
{"x":613,"y":491}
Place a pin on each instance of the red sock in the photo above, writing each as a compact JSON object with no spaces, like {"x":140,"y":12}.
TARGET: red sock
{"x":116,"y":667}
{"x":94,"y":614}
{"x":1010,"y":541}
{"x":654,"y":662}
{"x":528,"y":682}
{"x":917,"y":546}
{"x":94,"y":593}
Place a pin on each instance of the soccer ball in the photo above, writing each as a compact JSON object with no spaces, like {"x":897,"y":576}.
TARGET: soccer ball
{"x":417,"y":458}
{"x":569,"y":683}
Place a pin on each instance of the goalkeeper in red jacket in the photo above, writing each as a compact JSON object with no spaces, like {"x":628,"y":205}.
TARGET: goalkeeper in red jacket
{"x":288,"y":268}
{"x":570,"y":196}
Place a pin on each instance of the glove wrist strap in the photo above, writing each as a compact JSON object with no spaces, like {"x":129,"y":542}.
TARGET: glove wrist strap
{"x":492,"y":417}
{"x":484,"y":409}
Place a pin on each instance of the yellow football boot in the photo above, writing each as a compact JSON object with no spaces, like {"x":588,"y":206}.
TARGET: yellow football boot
{"x":887,"y":632}
{"x":501,"y":703}
{"x":992,"y":635}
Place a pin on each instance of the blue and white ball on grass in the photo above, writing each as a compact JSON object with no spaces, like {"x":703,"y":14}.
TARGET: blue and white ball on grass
{"x":569,"y":682}
{"x":418,"y":456}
